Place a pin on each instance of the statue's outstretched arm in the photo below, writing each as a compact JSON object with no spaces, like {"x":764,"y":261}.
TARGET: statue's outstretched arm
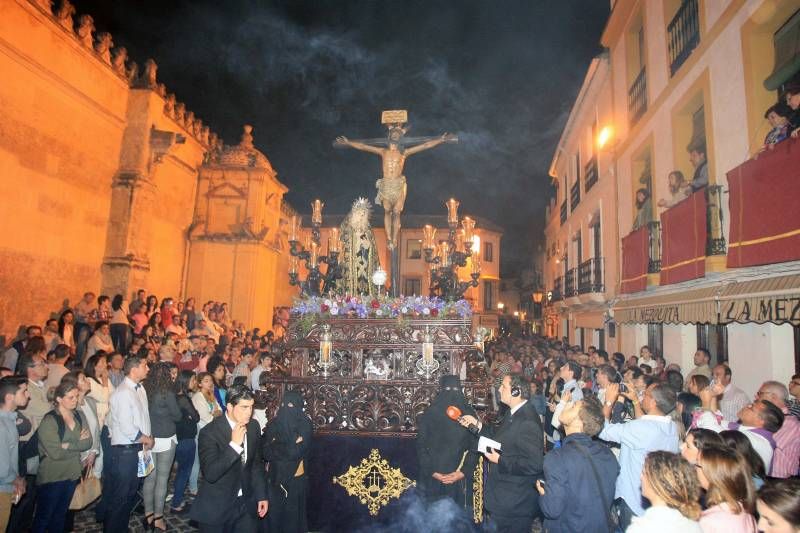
{"x":430,"y":144}
{"x":344,"y":141}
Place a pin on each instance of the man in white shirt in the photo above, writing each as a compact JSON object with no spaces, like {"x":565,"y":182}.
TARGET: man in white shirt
{"x":646,"y":357}
{"x":129,"y":424}
{"x":733,"y":399}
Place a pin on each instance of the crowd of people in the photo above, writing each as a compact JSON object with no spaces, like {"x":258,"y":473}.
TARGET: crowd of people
{"x":115,"y":403}
{"x":636,"y":444}
{"x":110,"y":392}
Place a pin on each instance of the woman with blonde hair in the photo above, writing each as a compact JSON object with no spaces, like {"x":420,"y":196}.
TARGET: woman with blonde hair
{"x":730,"y":494}
{"x":671,"y":485}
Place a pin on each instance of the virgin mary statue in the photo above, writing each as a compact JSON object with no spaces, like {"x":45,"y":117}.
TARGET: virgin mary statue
{"x":360,"y":252}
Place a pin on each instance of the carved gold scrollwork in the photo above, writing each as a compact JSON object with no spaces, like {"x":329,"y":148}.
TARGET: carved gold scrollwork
{"x":374,"y":482}
{"x":477,"y":492}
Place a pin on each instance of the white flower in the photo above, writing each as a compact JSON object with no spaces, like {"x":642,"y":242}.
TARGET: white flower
{"x":426,"y":311}
{"x":328,"y":302}
{"x":334,"y":310}
{"x":379,"y":312}
{"x":404,"y":310}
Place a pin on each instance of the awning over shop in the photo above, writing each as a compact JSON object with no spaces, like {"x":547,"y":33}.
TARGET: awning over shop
{"x":690,"y":306}
{"x":774,"y":300}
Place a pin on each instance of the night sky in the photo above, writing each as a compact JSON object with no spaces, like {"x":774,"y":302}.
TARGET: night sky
{"x":502,"y":75}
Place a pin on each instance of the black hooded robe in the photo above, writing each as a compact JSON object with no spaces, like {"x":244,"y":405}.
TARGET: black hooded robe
{"x":444,"y":446}
{"x":287,"y":482}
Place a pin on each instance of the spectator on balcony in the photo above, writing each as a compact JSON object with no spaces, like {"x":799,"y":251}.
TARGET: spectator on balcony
{"x":644,"y":210}
{"x":778,"y":117}
{"x":792,"y":97}
{"x":697,"y":156}
{"x":679,"y":190}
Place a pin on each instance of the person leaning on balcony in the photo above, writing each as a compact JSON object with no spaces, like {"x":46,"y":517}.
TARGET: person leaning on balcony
{"x":791,"y":96}
{"x":697,"y":156}
{"x":778,"y":117}
{"x":644,"y":210}
{"x":679,"y":190}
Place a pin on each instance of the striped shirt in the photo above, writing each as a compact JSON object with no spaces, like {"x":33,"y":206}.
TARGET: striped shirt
{"x":786,"y":458}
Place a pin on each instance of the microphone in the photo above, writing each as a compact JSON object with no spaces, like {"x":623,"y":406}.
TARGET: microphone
{"x":454,"y":413}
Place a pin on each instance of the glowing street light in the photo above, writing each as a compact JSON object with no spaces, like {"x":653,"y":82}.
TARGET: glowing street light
{"x":604,"y":136}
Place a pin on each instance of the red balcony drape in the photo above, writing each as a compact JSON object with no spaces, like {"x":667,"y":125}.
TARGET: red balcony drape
{"x":683,"y":240}
{"x":635,"y":257}
{"x":765,"y":218}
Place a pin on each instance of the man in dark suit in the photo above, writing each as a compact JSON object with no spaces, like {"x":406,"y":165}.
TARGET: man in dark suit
{"x":510,"y":496}
{"x":232,"y":495}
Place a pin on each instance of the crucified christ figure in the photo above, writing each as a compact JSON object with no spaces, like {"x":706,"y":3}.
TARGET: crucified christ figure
{"x":392,"y":186}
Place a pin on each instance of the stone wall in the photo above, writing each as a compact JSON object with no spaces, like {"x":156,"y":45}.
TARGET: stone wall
{"x":98,"y":168}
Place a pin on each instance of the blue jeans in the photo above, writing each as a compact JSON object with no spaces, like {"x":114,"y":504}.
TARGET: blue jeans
{"x":193,"y":477}
{"x":121,"y":484}
{"x":184,"y":456}
{"x":52,"y":505}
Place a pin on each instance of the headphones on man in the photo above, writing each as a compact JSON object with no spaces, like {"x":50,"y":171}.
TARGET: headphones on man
{"x":515,"y":391}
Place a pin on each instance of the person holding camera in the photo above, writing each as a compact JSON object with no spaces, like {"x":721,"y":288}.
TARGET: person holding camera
{"x":509,"y":499}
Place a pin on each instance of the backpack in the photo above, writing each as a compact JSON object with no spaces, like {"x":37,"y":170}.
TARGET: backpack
{"x":31,"y":449}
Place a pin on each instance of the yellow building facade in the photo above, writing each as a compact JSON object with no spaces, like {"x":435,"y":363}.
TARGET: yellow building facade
{"x":682,"y":72}
{"x":109,"y":184}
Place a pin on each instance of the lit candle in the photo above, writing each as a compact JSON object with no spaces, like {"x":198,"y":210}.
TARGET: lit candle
{"x":333,"y":240}
{"x":428,"y":236}
{"x":452,"y":211}
{"x":316,"y":211}
{"x":307,"y":241}
{"x":476,"y":265}
{"x":427,"y":348}
{"x":445,"y":254}
{"x":459,"y":240}
{"x":293,"y":265}
{"x":294,"y":228}
{"x":314,"y":253}
{"x":469,"y":225}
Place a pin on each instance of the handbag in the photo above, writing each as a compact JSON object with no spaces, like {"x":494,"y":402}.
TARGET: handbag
{"x":88,"y":490}
{"x":612,"y":520}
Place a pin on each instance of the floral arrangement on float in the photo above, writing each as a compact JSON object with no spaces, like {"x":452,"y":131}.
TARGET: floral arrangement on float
{"x":383,"y":306}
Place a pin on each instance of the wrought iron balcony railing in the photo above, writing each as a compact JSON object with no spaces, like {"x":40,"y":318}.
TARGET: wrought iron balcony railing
{"x":715,"y":244}
{"x":654,"y":247}
{"x":590,"y":276}
{"x":591,"y":174}
{"x":684,"y":34}
{"x":574,"y":195}
{"x":570,"y":283}
{"x":637,"y":97}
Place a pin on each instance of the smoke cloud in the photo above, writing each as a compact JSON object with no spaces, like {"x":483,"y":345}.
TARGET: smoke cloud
{"x":500,"y":76}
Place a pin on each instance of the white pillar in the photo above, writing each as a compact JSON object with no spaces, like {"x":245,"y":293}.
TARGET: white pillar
{"x":760,"y":352}
{"x":680,"y":343}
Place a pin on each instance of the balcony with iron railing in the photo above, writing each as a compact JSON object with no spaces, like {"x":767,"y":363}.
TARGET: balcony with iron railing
{"x":564,"y":211}
{"x":590,"y":276}
{"x":574,"y":195}
{"x":591,"y":174}
{"x":571,"y":283}
{"x":683,"y":34}
{"x":679,"y":245}
{"x":637,"y":97}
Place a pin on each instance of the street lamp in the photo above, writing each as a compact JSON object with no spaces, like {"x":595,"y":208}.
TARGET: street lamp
{"x":500,"y":306}
{"x":538,"y":296}
{"x":604,"y":136}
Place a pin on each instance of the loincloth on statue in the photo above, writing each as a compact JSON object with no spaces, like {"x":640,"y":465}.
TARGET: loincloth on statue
{"x":390,"y":190}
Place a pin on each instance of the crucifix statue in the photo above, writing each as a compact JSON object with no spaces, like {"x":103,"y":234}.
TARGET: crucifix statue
{"x":393,"y":150}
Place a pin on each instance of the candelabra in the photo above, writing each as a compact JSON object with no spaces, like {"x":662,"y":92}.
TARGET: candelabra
{"x":309,"y":253}
{"x":450,"y":255}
